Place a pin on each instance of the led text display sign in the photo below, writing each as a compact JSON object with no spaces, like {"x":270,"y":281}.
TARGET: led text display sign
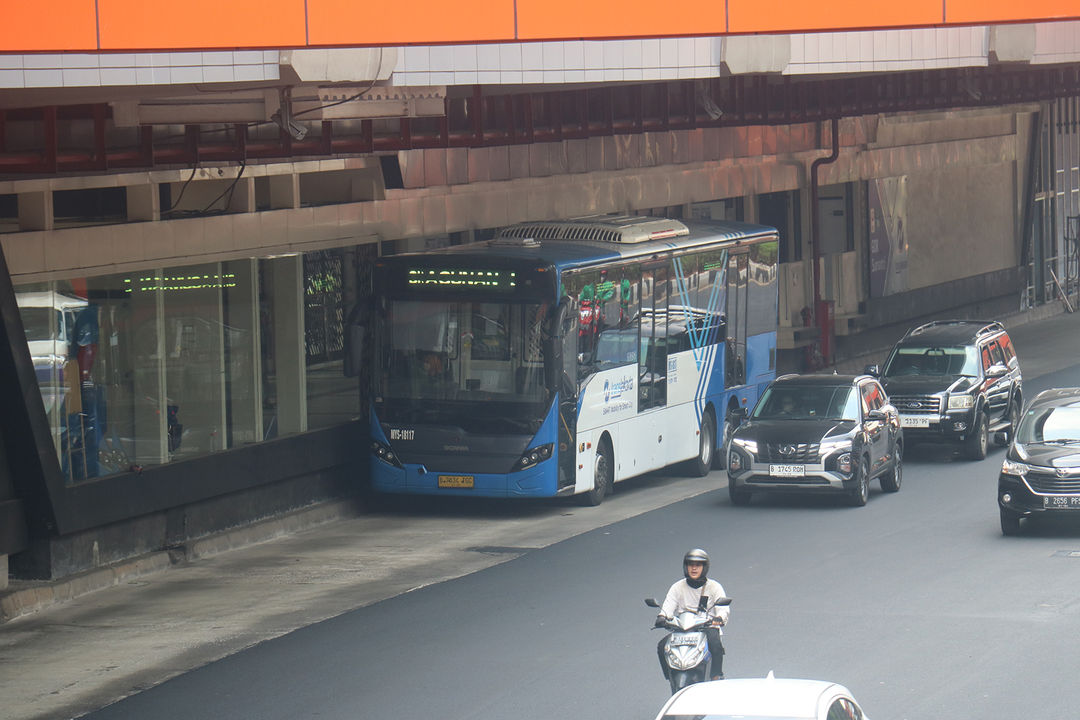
{"x":462,"y":278}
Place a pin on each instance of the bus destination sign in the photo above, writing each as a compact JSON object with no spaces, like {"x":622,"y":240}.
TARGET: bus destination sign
{"x":464,"y":278}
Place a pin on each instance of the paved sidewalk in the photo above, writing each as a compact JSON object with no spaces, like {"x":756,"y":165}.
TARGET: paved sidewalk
{"x":75,"y":650}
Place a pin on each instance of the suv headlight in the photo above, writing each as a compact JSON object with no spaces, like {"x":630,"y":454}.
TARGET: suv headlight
{"x":961,"y":402}
{"x":1011,"y":467}
{"x":830,"y":446}
{"x":747,"y":446}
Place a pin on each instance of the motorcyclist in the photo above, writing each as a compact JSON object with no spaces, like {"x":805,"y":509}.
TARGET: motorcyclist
{"x":686,"y":594}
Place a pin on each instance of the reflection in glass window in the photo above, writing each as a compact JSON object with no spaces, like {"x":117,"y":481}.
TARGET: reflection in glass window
{"x":1050,"y":424}
{"x":144,"y":368}
{"x":797,"y":402}
{"x":923,"y":360}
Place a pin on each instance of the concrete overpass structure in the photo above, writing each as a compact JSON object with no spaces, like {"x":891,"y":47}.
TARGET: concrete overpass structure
{"x":215,"y":193}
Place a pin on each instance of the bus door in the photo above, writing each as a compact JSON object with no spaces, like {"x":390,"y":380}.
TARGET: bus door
{"x":652,"y":364}
{"x":565,"y":362}
{"x":737,"y":311}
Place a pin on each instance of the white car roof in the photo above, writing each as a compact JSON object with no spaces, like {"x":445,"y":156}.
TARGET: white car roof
{"x":759,"y":697}
{"x":44,"y":298}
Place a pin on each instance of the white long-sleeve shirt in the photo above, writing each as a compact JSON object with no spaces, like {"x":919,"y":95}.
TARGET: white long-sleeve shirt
{"x":682,"y":597}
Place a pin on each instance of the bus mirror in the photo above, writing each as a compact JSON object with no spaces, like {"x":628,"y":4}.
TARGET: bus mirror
{"x":354,"y":350}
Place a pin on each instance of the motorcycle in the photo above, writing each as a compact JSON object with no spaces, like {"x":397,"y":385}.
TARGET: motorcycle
{"x":686,"y":651}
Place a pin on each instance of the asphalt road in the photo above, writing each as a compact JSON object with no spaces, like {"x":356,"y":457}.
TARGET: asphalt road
{"x":916,"y":602}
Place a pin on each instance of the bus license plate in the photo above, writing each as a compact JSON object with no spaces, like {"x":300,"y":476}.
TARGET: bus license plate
{"x":787,"y":470}
{"x":1062,"y":502}
{"x":914,"y":421}
{"x":455,"y":481}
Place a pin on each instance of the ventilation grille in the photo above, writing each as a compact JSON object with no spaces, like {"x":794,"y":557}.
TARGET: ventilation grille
{"x":612,"y":230}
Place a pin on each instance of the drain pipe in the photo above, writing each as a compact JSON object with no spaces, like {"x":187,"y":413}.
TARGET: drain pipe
{"x":815,"y":240}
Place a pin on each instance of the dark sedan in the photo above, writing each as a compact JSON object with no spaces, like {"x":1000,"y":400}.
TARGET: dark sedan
{"x":1041,"y":470}
{"x":817,"y":433}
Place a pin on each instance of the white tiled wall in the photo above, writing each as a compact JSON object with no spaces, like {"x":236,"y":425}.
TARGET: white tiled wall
{"x":559,"y":62}
{"x":1057,"y":42}
{"x":888,"y":50}
{"x":119,"y":69}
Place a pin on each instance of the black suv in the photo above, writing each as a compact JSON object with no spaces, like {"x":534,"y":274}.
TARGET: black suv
{"x":955,"y":381}
{"x":1041,"y":470}
{"x":819,"y":433}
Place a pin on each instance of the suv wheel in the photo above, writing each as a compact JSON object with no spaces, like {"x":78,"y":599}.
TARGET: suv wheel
{"x":890,"y":481}
{"x":1014,"y":418}
{"x":860,"y":494}
{"x":1010,"y":523}
{"x":738,"y":497}
{"x":975,"y":446}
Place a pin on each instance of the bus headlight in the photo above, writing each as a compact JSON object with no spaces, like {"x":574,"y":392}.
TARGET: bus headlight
{"x":385,"y":454}
{"x":534,"y":456}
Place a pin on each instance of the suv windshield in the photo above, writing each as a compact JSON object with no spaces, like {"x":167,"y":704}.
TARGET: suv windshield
{"x":1050,"y":424}
{"x":802,"y":402}
{"x":929,"y":360}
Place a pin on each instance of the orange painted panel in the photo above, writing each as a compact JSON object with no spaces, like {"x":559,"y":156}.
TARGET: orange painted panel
{"x":570,"y":19}
{"x":773,"y":16}
{"x":53,"y":26}
{"x":353,"y":22}
{"x":196,"y":24}
{"x":991,"y":11}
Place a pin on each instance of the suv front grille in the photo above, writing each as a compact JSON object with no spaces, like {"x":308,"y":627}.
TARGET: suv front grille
{"x":1046,"y":481}
{"x":798,"y":452}
{"x":916,"y":404}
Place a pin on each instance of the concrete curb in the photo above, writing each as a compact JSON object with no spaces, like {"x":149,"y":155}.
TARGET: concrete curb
{"x":38,"y":596}
{"x":27,"y":597}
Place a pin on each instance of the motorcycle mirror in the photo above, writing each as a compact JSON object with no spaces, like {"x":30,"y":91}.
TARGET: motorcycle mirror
{"x":651,"y":602}
{"x":723,"y":602}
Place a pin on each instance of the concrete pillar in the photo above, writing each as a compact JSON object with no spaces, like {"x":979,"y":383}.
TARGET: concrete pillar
{"x":289,"y":352}
{"x":151,"y":444}
{"x":143,"y":202}
{"x":3,"y":572}
{"x":284,"y":191}
{"x":245,"y":356}
{"x":36,"y":210}
{"x":243,"y":196}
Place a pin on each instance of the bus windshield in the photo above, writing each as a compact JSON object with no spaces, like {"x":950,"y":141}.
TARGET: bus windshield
{"x":437,"y":354}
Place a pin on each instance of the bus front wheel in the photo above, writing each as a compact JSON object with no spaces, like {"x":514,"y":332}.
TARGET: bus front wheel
{"x":603,"y":476}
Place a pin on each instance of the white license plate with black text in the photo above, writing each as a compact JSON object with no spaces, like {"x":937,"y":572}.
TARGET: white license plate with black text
{"x":915,"y":421}
{"x":1062,"y":502}
{"x":787,"y":470}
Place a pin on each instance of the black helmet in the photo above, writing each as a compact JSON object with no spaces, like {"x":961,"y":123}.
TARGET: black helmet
{"x":697,"y":555}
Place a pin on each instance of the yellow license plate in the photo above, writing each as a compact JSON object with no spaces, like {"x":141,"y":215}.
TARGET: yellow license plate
{"x":456,"y":481}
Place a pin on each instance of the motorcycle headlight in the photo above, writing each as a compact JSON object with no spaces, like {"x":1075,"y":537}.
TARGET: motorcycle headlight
{"x":1011,"y":467}
{"x":960,"y":402}
{"x":686,"y":657}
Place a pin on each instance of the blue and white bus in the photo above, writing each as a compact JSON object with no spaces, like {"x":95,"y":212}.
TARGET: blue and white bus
{"x":560,"y":358}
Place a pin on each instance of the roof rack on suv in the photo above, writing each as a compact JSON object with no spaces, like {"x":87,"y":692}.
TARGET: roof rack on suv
{"x":986,"y":327}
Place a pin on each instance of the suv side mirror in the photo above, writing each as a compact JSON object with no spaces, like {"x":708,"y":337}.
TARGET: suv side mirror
{"x":877,"y":415}
{"x":1001,"y":438}
{"x":996,"y":370}
{"x":874,"y":370}
{"x":738,"y":415}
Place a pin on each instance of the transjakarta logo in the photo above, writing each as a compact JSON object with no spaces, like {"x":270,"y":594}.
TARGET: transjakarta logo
{"x":615,"y":390}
